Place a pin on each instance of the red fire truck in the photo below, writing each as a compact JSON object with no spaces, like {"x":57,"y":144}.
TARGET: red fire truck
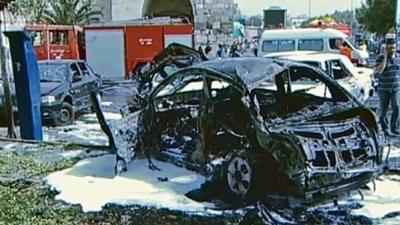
{"x":114,"y":49}
{"x":345,"y":28}
{"x":57,"y":41}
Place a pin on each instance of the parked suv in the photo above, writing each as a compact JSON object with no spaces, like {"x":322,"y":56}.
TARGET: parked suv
{"x":65,"y":90}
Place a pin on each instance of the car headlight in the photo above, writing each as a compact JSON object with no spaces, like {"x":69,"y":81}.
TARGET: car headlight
{"x":48,"y":99}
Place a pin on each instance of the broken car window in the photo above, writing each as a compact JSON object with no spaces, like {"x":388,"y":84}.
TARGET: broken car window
{"x":338,"y":70}
{"x":304,"y":80}
{"x":181,"y":83}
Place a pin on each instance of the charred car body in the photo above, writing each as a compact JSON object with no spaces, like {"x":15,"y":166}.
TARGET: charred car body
{"x":172,"y":58}
{"x":256,"y":126}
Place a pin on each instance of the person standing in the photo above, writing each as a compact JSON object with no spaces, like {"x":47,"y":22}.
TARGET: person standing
{"x":220,"y":51}
{"x":388,"y":72}
{"x":346,"y":50}
{"x":363,"y":46}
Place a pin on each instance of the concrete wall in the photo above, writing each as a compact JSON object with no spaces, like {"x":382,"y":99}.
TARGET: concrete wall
{"x":126,"y":9}
{"x":104,"y":6}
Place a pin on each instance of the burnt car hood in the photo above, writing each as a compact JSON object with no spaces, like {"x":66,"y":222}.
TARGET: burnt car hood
{"x":175,"y":54}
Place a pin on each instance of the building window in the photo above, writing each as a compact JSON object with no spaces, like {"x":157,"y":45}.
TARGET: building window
{"x":37,"y":38}
{"x":59,"y":37}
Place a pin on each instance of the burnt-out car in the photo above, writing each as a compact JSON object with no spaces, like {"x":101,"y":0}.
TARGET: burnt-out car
{"x":172,"y":58}
{"x":256,"y":126}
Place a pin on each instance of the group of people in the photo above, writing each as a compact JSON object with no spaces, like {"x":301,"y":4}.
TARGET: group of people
{"x":235,"y":50}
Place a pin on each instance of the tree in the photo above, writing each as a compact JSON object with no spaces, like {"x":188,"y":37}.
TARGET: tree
{"x":343,"y":16}
{"x":31,"y":10}
{"x":70,"y":12}
{"x":378,"y":15}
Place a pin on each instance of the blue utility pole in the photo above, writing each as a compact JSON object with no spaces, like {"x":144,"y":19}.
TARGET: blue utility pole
{"x":27,"y":84}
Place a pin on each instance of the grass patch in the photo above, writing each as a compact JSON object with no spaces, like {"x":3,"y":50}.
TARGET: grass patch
{"x":26,"y":200}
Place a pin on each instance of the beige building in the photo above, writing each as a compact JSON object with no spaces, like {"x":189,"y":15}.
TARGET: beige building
{"x":208,"y":14}
{"x":105,"y":7}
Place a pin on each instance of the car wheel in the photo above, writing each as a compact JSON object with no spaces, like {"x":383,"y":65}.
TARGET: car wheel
{"x":67,"y":115}
{"x":244,"y":177}
{"x":239,"y":176}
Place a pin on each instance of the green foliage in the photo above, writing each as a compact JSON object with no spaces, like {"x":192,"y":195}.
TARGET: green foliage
{"x":70,"y":12}
{"x":32,"y":10}
{"x":378,"y":15}
{"x":24,"y":166}
{"x":25,"y":202}
{"x":343,"y":16}
{"x":33,"y":205}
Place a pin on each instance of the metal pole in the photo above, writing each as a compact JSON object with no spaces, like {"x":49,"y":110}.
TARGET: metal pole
{"x":6,"y":84}
{"x":309,"y":9}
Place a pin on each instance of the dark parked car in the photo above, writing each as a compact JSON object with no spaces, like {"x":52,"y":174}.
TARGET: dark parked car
{"x":256,"y":126}
{"x":65,"y":90}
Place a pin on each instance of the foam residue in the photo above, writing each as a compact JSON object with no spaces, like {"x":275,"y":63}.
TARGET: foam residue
{"x":92,"y":183}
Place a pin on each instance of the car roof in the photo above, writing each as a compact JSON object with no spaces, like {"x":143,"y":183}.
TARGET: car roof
{"x":319,"y":57}
{"x":252,"y":71}
{"x":288,"y":53}
{"x":302,"y":33}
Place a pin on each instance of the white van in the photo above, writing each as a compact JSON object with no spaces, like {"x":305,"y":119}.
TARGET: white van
{"x":309,"y":39}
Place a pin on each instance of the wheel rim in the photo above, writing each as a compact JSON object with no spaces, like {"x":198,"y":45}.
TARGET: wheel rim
{"x":239,"y":176}
{"x":65,"y":115}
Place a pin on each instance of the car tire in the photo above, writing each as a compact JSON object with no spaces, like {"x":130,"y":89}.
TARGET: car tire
{"x":244,"y":177}
{"x":67,"y":115}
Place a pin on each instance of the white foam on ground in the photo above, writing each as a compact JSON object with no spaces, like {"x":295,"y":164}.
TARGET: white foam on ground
{"x":107,"y":115}
{"x":103,"y":103}
{"x":384,"y":200}
{"x":92,"y":183}
{"x":79,"y":132}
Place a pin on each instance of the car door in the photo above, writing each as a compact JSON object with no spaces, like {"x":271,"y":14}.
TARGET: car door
{"x":90,"y":80}
{"x":90,"y":83}
{"x":77,"y":91}
{"x":343,"y":76}
{"x":338,"y":146}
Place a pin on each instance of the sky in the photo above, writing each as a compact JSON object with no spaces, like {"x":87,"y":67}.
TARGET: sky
{"x":297,"y":7}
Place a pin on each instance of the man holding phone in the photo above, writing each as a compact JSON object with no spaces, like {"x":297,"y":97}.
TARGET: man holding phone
{"x":388,"y":72}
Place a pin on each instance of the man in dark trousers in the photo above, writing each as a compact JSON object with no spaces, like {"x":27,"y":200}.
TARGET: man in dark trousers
{"x":388,"y":72}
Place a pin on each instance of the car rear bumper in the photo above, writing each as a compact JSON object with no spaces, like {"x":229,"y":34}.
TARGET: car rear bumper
{"x":50,"y":111}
